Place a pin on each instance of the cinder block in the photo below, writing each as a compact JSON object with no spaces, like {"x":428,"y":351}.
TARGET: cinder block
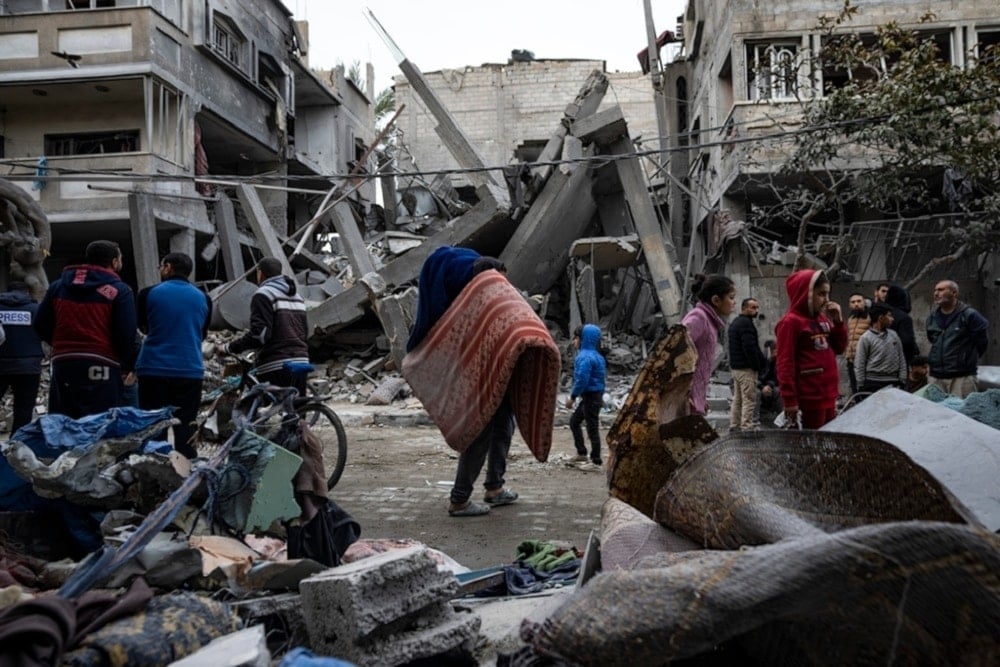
{"x":346,"y":604}
{"x":437,"y":631}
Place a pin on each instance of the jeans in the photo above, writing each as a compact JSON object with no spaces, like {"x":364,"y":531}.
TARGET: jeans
{"x":589,"y":410}
{"x":490,"y":447}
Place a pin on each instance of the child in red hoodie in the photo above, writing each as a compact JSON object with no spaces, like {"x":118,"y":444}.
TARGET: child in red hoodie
{"x":810,"y":336}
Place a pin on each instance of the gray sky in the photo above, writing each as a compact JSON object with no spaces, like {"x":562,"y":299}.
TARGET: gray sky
{"x":442,"y":34}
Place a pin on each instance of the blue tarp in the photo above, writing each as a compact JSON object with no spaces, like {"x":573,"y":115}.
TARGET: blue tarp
{"x":49,"y":437}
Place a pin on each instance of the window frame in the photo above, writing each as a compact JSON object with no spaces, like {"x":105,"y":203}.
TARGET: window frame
{"x":761,"y":78}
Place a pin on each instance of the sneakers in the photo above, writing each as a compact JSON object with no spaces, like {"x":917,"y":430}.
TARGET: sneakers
{"x":579,"y":458}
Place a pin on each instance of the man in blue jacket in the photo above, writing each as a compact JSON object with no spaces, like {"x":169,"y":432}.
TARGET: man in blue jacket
{"x":88,"y":317}
{"x":589,"y":371}
{"x":21,"y":355}
{"x":959,"y":335}
{"x":174,"y":315}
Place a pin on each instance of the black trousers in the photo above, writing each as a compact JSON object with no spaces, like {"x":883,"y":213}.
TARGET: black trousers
{"x":25,"y":390}
{"x":82,"y":387}
{"x":184,"y":394}
{"x":284,"y":378}
{"x":589,"y":410}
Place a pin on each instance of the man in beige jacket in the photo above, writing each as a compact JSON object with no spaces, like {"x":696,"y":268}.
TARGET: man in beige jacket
{"x":857,"y":324}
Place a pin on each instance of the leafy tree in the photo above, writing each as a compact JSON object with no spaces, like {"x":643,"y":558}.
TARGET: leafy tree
{"x":904,"y":134}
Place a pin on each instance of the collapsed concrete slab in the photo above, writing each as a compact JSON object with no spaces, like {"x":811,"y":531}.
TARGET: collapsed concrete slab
{"x":959,"y":452}
{"x":387,"y":609}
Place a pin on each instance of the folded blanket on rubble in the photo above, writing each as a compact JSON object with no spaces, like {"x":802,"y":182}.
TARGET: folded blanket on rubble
{"x":488,"y":343}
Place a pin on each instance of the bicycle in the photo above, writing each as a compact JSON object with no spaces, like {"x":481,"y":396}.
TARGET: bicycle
{"x":274,"y":412}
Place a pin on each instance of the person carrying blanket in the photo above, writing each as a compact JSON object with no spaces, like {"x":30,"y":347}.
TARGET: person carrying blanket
{"x":477,"y":358}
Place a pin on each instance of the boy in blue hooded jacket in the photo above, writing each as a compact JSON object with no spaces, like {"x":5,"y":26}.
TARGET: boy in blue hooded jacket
{"x":589,"y":369}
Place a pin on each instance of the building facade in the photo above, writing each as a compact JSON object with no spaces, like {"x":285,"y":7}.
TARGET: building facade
{"x":509,"y":111}
{"x":108,"y":98}
{"x":744,"y":72}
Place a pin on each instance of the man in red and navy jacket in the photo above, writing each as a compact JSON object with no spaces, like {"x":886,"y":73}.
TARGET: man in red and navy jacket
{"x":88,"y":316}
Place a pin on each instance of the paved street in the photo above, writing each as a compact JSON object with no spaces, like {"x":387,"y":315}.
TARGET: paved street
{"x":397,"y":481}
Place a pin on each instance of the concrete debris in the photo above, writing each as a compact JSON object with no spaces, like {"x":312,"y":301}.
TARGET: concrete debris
{"x":246,"y":648}
{"x":389,"y":609}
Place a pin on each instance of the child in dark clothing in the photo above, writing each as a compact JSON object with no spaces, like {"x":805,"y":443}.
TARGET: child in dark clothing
{"x":589,"y":370}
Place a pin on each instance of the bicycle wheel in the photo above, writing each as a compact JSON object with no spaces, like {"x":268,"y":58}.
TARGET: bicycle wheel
{"x":325,"y":423}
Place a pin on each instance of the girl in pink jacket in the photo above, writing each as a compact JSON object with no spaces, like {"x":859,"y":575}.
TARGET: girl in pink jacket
{"x":716,"y":299}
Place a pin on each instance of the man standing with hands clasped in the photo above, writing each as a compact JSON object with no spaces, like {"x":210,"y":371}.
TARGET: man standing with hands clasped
{"x":746,"y":361}
{"x":959,"y":335}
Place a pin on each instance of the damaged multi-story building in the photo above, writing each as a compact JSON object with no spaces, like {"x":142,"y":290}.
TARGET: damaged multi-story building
{"x":743,"y":75}
{"x":175,"y":125}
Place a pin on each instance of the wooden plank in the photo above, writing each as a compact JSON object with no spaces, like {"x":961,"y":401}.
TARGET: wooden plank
{"x":145,"y":252}
{"x":266,"y":235}
{"x":658,"y":250}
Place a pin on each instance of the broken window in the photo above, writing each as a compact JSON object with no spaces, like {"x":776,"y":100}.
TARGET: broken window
{"x":772,"y":70}
{"x":228,"y":41}
{"x":92,"y":143}
{"x":988,"y":45}
{"x":169,"y":120}
{"x":836,"y":77}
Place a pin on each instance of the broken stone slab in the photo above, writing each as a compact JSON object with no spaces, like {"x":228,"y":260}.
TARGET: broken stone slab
{"x":246,"y":648}
{"x":387,"y":391}
{"x":346,"y":604}
{"x":437,"y":630}
{"x":961,"y":453}
{"x":605,"y":253}
{"x":388,"y":609}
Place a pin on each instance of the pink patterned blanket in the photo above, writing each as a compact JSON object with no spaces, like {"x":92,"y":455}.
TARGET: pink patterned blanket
{"x":488,"y":343}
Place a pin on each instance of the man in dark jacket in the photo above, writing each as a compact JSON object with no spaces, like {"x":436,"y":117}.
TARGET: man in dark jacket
{"x":175,"y":316}
{"x":278,"y":328}
{"x":21,"y":355}
{"x":746,"y":362}
{"x":959,"y":335}
{"x":88,"y":317}
{"x":898,"y":300}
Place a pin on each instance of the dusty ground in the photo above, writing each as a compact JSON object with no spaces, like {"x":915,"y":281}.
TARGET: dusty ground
{"x":397,"y":481}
